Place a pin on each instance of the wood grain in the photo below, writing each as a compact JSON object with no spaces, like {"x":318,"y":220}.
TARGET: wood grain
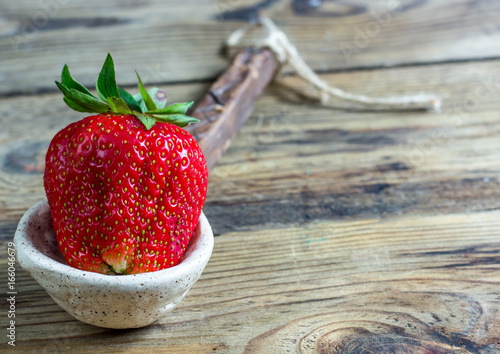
{"x":340,"y":230}
{"x":309,"y":162}
{"x":401,"y":285}
{"x":172,"y":41}
{"x":295,"y":162}
{"x":415,"y":268}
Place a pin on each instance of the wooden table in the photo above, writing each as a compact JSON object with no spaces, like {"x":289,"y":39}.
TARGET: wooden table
{"x":338,"y":230}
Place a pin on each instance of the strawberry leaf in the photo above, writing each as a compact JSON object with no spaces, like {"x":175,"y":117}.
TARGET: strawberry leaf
{"x":119,"y":105}
{"x":82,"y":101}
{"x":106,"y":82}
{"x":159,"y":97}
{"x":176,"y":108}
{"x":180,"y":120}
{"x":148,"y":121}
{"x":147,"y":106}
{"x":68,"y":81}
{"x":150,"y":105}
{"x":139,"y":99}
{"x":130,"y":100}
{"x":73,"y":105}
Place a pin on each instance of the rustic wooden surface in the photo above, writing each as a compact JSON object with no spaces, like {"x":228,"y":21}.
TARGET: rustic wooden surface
{"x":338,"y":230}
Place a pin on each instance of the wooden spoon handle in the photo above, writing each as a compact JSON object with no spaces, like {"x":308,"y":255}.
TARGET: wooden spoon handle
{"x":230,"y":100}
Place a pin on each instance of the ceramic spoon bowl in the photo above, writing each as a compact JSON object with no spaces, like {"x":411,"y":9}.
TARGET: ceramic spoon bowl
{"x":111,"y":301}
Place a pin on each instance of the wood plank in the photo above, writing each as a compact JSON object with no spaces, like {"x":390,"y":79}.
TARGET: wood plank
{"x":294,"y":162}
{"x":171,"y":41}
{"x":390,"y":285}
{"x":340,"y":229}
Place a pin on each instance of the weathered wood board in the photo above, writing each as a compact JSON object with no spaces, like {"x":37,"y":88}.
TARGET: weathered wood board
{"x":415,"y":267}
{"x":172,"y":41}
{"x":339,"y":230}
{"x":397,"y":285}
{"x":296,"y":162}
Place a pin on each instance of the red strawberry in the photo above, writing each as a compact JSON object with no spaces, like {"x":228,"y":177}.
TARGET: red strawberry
{"x":125,"y":187}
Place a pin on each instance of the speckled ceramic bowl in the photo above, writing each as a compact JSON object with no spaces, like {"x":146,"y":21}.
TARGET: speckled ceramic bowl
{"x":123,"y":301}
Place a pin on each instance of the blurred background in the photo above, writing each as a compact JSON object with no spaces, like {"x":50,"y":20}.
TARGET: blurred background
{"x":180,"y":41}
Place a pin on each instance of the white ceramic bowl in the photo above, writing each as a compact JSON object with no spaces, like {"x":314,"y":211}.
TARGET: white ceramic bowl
{"x":111,"y":301}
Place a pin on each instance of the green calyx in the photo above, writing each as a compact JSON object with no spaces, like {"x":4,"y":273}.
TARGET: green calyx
{"x":148,"y":106}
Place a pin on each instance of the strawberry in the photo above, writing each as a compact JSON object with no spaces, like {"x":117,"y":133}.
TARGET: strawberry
{"x":125,"y":186}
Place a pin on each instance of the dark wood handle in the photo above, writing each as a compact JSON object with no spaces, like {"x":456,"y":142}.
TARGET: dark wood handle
{"x":230,"y":100}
